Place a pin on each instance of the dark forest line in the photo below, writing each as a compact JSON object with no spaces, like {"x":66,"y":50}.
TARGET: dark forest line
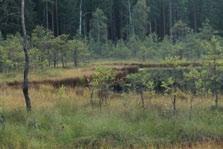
{"x":119,"y":18}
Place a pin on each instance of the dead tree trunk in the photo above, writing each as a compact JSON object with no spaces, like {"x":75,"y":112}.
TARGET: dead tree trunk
{"x":26,"y":54}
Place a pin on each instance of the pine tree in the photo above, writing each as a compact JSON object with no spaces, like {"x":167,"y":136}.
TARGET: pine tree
{"x":98,"y":32}
{"x":98,"y":26}
{"x":140,"y":18}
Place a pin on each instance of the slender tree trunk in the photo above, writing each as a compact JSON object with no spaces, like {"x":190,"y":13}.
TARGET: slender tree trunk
{"x":193,"y":3}
{"x":155,"y":26}
{"x":142,"y":99}
{"x":174,"y":104}
{"x":49,"y":63}
{"x":52,"y":19}
{"x":49,"y":58}
{"x":215,"y":83}
{"x":99,"y":32}
{"x":47,"y":15}
{"x":62,"y":61}
{"x":26,"y":66}
{"x":75,"y":57}
{"x":191,"y":106}
{"x":216,"y":99}
{"x":92,"y":95}
{"x":54,"y":64}
{"x":55,"y":61}
{"x":85,"y":29}
{"x":174,"y":97}
{"x":164,"y":18}
{"x":195,"y":20}
{"x":80,"y":18}
{"x":150,"y":27}
{"x":171,"y":18}
{"x":100,"y":99}
{"x":132,"y":28}
{"x":57,"y":19}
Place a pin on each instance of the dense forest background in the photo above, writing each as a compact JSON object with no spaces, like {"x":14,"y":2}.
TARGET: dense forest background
{"x":73,"y":31}
{"x":122,"y":17}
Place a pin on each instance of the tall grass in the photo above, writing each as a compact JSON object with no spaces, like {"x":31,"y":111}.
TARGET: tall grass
{"x":61,"y":119}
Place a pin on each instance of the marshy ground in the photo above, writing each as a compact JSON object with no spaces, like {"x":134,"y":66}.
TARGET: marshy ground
{"x":65,"y":118}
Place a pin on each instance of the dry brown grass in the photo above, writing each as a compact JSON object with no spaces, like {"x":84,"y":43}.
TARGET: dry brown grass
{"x":47,"y":95}
{"x":52,"y":74}
{"x":44,"y":97}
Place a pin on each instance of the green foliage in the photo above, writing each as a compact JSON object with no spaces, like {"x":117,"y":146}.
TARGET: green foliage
{"x":78,"y":49}
{"x":48,"y":50}
{"x":120,"y":51}
{"x":196,"y":79}
{"x":180,"y":30}
{"x":169,"y":85}
{"x":140,"y":82}
{"x":173,"y":61}
{"x":3,"y":59}
{"x":98,"y":26}
{"x":42,"y":46}
{"x":207,"y":31}
{"x":98,"y":32}
{"x":192,"y":48}
{"x":133,"y":45}
{"x":165,"y":49}
{"x":12,"y":53}
{"x":38,"y":59}
{"x":59,"y":50}
{"x":41,"y":38}
{"x":103,"y":77}
{"x":214,"y":51}
{"x":214,"y":48}
{"x":148,"y":48}
{"x":140,"y":18}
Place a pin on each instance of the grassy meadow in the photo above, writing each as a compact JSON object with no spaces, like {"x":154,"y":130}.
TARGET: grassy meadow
{"x":65,"y":118}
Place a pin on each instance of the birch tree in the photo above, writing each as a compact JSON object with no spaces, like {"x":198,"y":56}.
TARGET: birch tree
{"x":26,"y":54}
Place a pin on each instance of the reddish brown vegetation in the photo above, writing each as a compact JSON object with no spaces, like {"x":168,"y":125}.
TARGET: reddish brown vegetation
{"x":156,"y":65}
{"x":84,"y":81}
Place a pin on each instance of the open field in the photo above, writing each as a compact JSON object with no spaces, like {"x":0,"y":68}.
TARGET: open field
{"x":65,"y":118}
